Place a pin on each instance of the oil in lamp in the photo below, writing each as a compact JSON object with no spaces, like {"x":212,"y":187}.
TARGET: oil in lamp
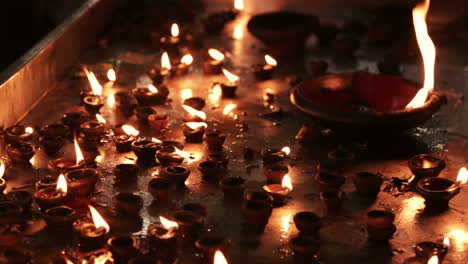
{"x":93,"y":102}
{"x":214,"y":140}
{"x":437,"y":192}
{"x":145,"y":150}
{"x":20,"y":152}
{"x":317,"y":67}
{"x":128,"y":204}
{"x":256,"y":215}
{"x":171,"y":156}
{"x":123,"y":248}
{"x":264,"y":71}
{"x":3,"y":183}
{"x":193,"y":115}
{"x":151,"y":95}
{"x":329,"y":182}
{"x":81,"y":182}
{"x":18,"y":133}
{"x":94,"y":128}
{"x":126,"y":172}
{"x":308,"y":223}
{"x":123,"y":143}
{"x":279,"y":192}
{"x":176,"y":174}
{"x":424,"y":165}
{"x":379,"y":225}
{"x":275,"y":172}
{"x":64,"y":165}
{"x":190,"y":223}
{"x":160,"y":189}
{"x":271,"y":156}
{"x":426,"y":250}
{"x":93,"y":234}
{"x":49,"y":197}
{"x":162,"y":239}
{"x":214,"y":63}
{"x":211,"y":171}
{"x":184,"y":66}
{"x":196,"y":103}
{"x":305,"y":249}
{"x":229,"y":88}
{"x":210,"y":243}
{"x":60,"y":217}
{"x":194,"y":131}
{"x":368,"y":184}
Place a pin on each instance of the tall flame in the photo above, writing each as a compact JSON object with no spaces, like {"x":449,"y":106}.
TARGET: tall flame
{"x":428,"y":51}
{"x":102,"y":259}
{"x":29,"y":130}
{"x":286,"y":150}
{"x":228,"y":108}
{"x":216,"y":54}
{"x":462,"y":176}
{"x":286,"y":183}
{"x":165,"y":61}
{"x":196,"y":125}
{"x":98,"y":220}
{"x":111,"y":100}
{"x":2,"y":169}
{"x":219,"y":258}
{"x":433,"y":260}
{"x":152,"y":88}
{"x":187,"y":59}
{"x":231,"y":77}
{"x":194,"y":112}
{"x":238,"y":31}
{"x":239,"y":4}
{"x":100,"y":118}
{"x":270,"y":60}
{"x":95,"y":86}
{"x":111,"y":75}
{"x":79,"y":154}
{"x":130,"y":130}
{"x":446,"y":241}
{"x":181,"y":153}
{"x":175,"y":30}
{"x":62,"y":184}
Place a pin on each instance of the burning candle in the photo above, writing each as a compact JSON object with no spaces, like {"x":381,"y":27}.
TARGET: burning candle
{"x":93,"y":102}
{"x":123,"y":143}
{"x":219,"y":258}
{"x":264,"y":71}
{"x":279,"y":192}
{"x":210,"y":243}
{"x":214,"y":64}
{"x":172,"y":42}
{"x":151,"y":95}
{"x":18,"y":133}
{"x":92,"y":234}
{"x":229,"y":88}
{"x":162,"y":238}
{"x":183,"y":67}
{"x":193,"y":115}
{"x":427,"y":250}
{"x":195,"y":102}
{"x":94,"y":128}
{"x":64,"y":165}
{"x":50,"y":196}
{"x":171,"y":156}
{"x":194,"y":131}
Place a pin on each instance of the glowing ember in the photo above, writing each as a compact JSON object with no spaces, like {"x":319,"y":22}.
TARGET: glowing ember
{"x":156,"y":140}
{"x":270,"y":60}
{"x":62,"y":184}
{"x":216,"y":54}
{"x":447,"y":241}
{"x":2,"y":169}
{"x":29,"y":130}
{"x":186,"y":93}
{"x":462,"y":177}
{"x":187,"y":59}
{"x":286,"y":183}
{"x":130,"y":130}
{"x":165,"y":61}
{"x":239,"y":4}
{"x":175,"y":30}
{"x":433,"y":260}
{"x":196,"y":125}
{"x":152,"y":88}
{"x":219,"y":258}
{"x":95,"y":86}
{"x":181,"y":153}
{"x":111,"y":100}
{"x":100,"y":119}
{"x":98,"y":221}
{"x":427,"y":48}
{"x":102,"y":259}
{"x":111,"y":75}
{"x":228,"y":109}
{"x":231,"y":77}
{"x":79,"y":154}
{"x":286,"y":150}
{"x":194,"y":112}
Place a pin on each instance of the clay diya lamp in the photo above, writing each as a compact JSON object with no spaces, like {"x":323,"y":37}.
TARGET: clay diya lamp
{"x":51,"y":145}
{"x":162,"y":239}
{"x":196,"y":208}
{"x":329,"y":182}
{"x":195,"y":102}
{"x":123,"y":248}
{"x":160,"y":189}
{"x":169,"y":156}
{"x":229,"y":87}
{"x":125,"y":103}
{"x":81,"y":182}
{"x":271,"y":156}
{"x":90,"y":237}
{"x":425,"y":250}
{"x":317,"y":67}
{"x":49,"y":197}
{"x":211,"y":170}
{"x":214,"y":140}
{"x":275,"y":172}
{"x":128,"y":204}
{"x":158,"y":121}
{"x":60,"y":217}
{"x":214,"y":62}
{"x":45,"y":183}
{"x":158,"y":75}
{"x":183,"y":67}
{"x":264,"y":71}
{"x":73,"y":120}
{"x":211,"y":242}
{"x":176,"y":174}
{"x":233,"y":187}
{"x":145,"y":150}
{"x":93,"y":129}
{"x":151,"y":95}
{"x":20,"y":152}
{"x":93,"y":103}
{"x":437,"y":192}
{"x":123,"y":143}
{"x":333,"y":200}
{"x":126,"y":172}
{"x":340,"y":158}
{"x":190,"y":223}
{"x":261,"y":197}
{"x":63,"y":165}
{"x":379,"y":225}
{"x":10,"y":212}
{"x":143,"y":259}
{"x":279,"y":192}
{"x":368,"y":184}
{"x":424,"y":165}
{"x":18,"y":133}
{"x":143,"y":112}
{"x":194,"y":131}
{"x":55,"y":131}
{"x":256,"y":215}
{"x":305,"y":249}
{"x":308,"y":223}
{"x":219,"y":157}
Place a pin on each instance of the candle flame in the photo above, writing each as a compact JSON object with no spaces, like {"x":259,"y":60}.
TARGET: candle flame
{"x":165,"y":61}
{"x":175,"y":30}
{"x":2,"y":169}
{"x":168,"y":224}
{"x":187,"y":59}
{"x":152,"y":88}
{"x":462,"y":176}
{"x":156,"y":140}
{"x":447,"y":241}
{"x":216,"y":54}
{"x":62,"y":184}
{"x":194,"y":112}
{"x":29,"y":130}
{"x":196,"y":125}
{"x":228,"y":108}
{"x":98,"y":220}
{"x":238,"y":32}
{"x":79,"y":154}
{"x":111,"y":100}
{"x":231,"y":77}
{"x":181,"y":153}
{"x":186,"y":93}
{"x":130,"y":130}
{"x":270,"y":60}
{"x":433,"y":260}
{"x":286,"y":150}
{"x":239,"y":4}
{"x":100,"y":119}
{"x":111,"y":75}
{"x":219,"y":258}
{"x":95,"y":86}
{"x":428,"y":51}
{"x":286,"y":183}
{"x":102,"y":259}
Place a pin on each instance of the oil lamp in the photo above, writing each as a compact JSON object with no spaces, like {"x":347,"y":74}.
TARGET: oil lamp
{"x":92,"y":234}
{"x":64,"y":165}
{"x":145,"y":150}
{"x":172,"y":43}
{"x":211,"y":171}
{"x":160,"y":189}
{"x":214,"y":63}
{"x":275,"y":172}
{"x":3,"y":183}
{"x":123,"y":143}
{"x":81,"y":182}
{"x":123,"y":248}
{"x":18,"y":133}
{"x":55,"y":130}
{"x":126,"y":172}
{"x":426,"y":250}
{"x":329,"y":182}
{"x":257,"y":196}
{"x":60,"y":217}
{"x":93,"y":102}
{"x":229,"y":88}
{"x":264,"y":72}
{"x":220,"y":157}
{"x":214,"y":140}
{"x":73,"y":119}
{"x":256,"y":215}
{"x":210,"y":243}
{"x":125,"y":102}
{"x":308,"y":223}
{"x":279,"y":192}
{"x":271,"y":156}
{"x":94,"y":128}
{"x":158,"y":121}
{"x":368,"y":184}
{"x":305,"y":249}
{"x":128,"y":204}
{"x":51,"y":145}
{"x":184,"y":66}
{"x":50,"y":196}
{"x":219,"y":258}
{"x":193,"y":115}
{"x":20,"y":152}
{"x":189,"y":223}
{"x":379,"y":225}
{"x":424,"y":165}
{"x":162,"y":239}
{"x":171,"y":155}
{"x":143,"y":112}
{"x":317,"y":67}
{"x":151,"y":95}
{"x":194,"y":131}
{"x":196,"y":103}
{"x":176,"y":174}
{"x":233,"y":187}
